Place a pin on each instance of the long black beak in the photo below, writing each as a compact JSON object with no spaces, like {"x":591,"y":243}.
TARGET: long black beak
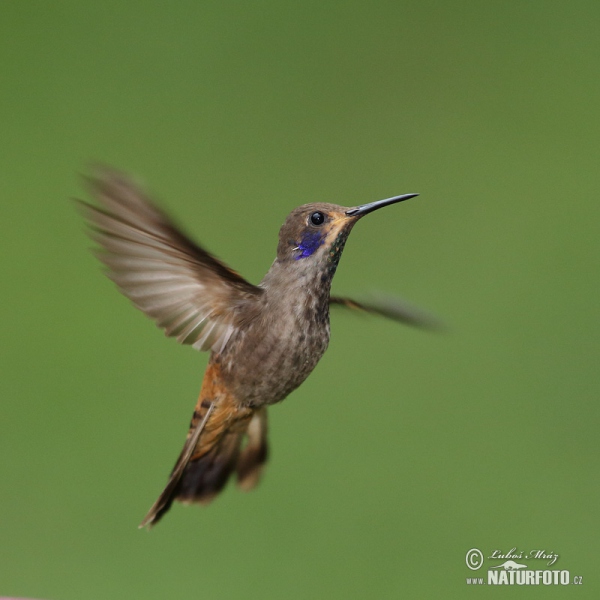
{"x":364,"y":209}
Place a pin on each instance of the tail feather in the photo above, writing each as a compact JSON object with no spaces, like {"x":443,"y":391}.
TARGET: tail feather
{"x":253,"y":457}
{"x":164,"y":501}
{"x":213,"y":451}
{"x":205,"y":477}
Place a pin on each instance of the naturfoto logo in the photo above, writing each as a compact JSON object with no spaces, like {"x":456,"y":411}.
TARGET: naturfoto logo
{"x":515,"y":571}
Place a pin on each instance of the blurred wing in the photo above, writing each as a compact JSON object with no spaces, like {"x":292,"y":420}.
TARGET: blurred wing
{"x":392,"y":308}
{"x":188,"y":292}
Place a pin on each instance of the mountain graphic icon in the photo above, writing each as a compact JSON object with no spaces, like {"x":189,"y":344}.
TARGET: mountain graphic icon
{"x":509,"y":565}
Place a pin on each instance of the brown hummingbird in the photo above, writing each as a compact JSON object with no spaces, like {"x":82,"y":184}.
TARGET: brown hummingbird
{"x":264,"y":340}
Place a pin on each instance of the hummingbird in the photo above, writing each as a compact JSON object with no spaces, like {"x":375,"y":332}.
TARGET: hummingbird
{"x":264,"y":340}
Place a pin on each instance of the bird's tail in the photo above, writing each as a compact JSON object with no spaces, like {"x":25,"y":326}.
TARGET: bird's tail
{"x":222,"y":439}
{"x":241,"y":447}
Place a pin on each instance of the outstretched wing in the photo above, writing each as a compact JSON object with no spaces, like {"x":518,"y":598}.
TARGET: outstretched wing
{"x":188,"y":292}
{"x":392,"y":308}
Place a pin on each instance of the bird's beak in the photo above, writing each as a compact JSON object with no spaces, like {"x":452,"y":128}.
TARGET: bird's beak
{"x":363,"y":209}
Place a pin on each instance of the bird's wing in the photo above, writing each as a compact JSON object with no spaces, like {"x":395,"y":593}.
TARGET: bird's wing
{"x":392,"y":308}
{"x":187,"y":291}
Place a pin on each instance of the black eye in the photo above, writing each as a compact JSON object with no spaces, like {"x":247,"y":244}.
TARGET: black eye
{"x":317,"y":218}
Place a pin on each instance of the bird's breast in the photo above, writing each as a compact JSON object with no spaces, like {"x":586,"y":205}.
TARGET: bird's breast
{"x":276,"y":352}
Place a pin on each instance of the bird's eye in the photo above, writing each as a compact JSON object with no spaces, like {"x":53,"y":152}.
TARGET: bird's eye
{"x":317,"y":218}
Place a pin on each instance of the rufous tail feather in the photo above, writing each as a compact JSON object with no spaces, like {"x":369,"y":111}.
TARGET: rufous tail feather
{"x":223,"y":438}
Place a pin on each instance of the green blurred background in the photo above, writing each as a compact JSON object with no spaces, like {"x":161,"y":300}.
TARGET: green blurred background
{"x":404,"y":449}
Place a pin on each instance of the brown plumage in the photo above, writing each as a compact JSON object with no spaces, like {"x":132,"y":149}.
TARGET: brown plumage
{"x":264,"y":340}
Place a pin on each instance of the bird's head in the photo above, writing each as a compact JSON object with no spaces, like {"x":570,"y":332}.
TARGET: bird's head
{"x":316,"y":233}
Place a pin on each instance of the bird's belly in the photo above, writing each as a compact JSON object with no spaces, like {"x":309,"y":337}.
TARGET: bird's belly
{"x":265,"y":369}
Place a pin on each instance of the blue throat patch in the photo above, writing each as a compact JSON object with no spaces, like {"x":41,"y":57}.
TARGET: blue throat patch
{"x":310,"y":242}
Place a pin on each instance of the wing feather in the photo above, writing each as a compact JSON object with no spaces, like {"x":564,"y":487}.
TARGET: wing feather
{"x":190,"y":294}
{"x":391,"y":308}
